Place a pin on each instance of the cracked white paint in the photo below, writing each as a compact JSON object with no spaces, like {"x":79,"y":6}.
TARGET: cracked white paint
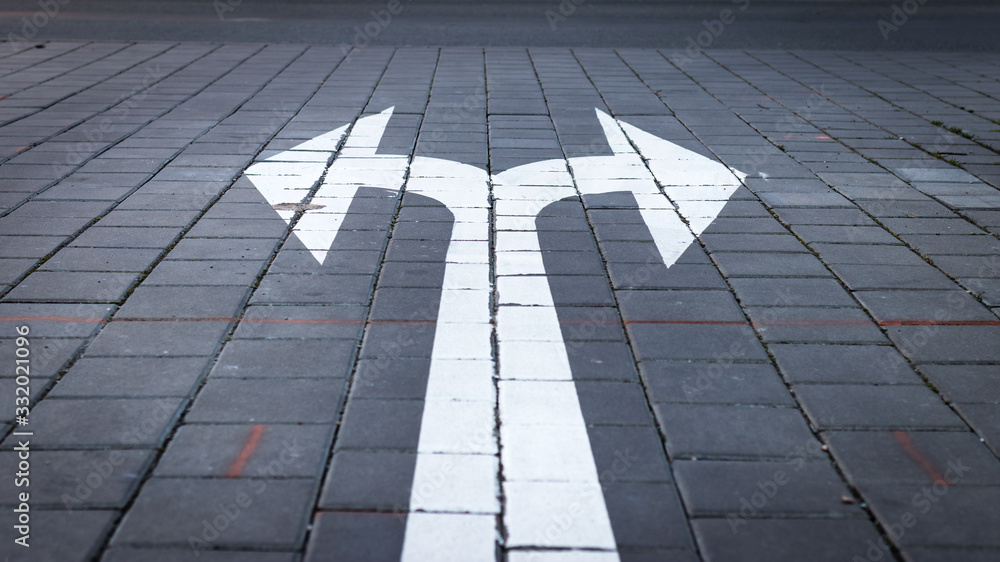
{"x":552,"y":491}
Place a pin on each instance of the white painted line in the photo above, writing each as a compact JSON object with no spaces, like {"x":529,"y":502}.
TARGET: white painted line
{"x":447,"y":537}
{"x":457,"y":434}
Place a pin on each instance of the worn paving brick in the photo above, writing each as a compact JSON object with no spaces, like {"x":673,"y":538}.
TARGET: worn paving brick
{"x":886,"y":457}
{"x":697,"y":430}
{"x":815,"y":325}
{"x":942,"y":516}
{"x":176,"y":338}
{"x":209,"y":450}
{"x":340,"y":534}
{"x":369,"y":480}
{"x":763,"y":264}
{"x":864,"y":364}
{"x":77,"y":286}
{"x":66,"y":536}
{"x":74,"y":480}
{"x":183,"y":302}
{"x":945,"y":344}
{"x":797,"y":487}
{"x":266,"y":400}
{"x":867,"y":406}
{"x":929,"y":305}
{"x":170,"y":510}
{"x":130,"y":377}
{"x":672,"y":341}
{"x":125,"y":553}
{"x":823,"y":540}
{"x":101,"y":422}
{"x":285,"y":358}
{"x":718,"y":383}
{"x":965,"y":383}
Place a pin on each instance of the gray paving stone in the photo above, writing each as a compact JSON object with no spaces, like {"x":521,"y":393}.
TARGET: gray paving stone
{"x":301,"y":321}
{"x":928,"y":554}
{"x":821,"y":540}
{"x":922,"y":457}
{"x":101,"y":422}
{"x":389,"y":340}
{"x":401,"y":378}
{"x":876,"y":407}
{"x":346,"y":534}
{"x":679,"y":276}
{"x":130,"y":377}
{"x":270,"y":512}
{"x":861,"y":277}
{"x":723,"y":382}
{"x":844,"y":234}
{"x":77,"y":286}
{"x":859,"y":364}
{"x":217,"y":272}
{"x":693,"y":341}
{"x":751,"y":243}
{"x":790,"y":292}
{"x":665,"y":306}
{"x":127,"y":554}
{"x":744,"y":432}
{"x":815,"y":325}
{"x":369,"y":480}
{"x":172,"y":302}
{"x":613,"y":403}
{"x":281,"y":450}
{"x":222,"y":248}
{"x":125,"y":338}
{"x":945,"y":344}
{"x":101,"y":259}
{"x":224,"y":400}
{"x":64,"y":536}
{"x":628,"y":454}
{"x":927,"y":305}
{"x":601,"y":361}
{"x":49,"y":359}
{"x":756,"y":264}
{"x":50,"y":320}
{"x":761,"y":488}
{"x":76,"y":480}
{"x":237,"y":228}
{"x":581,"y":326}
{"x":319,"y":359}
{"x":362,"y":427}
{"x":126,"y":237}
{"x":939,"y":516}
{"x":825,"y":216}
{"x":652,"y":524}
{"x":961,"y":244}
{"x":867,"y":254}
{"x":282,"y":288}
{"x":965,"y":383}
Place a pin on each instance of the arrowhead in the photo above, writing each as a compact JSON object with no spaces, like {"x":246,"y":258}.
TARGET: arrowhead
{"x":286,"y":179}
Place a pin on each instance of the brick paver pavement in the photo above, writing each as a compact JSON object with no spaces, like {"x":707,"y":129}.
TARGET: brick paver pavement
{"x":277,"y":304}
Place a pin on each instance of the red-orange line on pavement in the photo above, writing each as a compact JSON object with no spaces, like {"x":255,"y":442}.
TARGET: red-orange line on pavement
{"x":915,"y":454}
{"x":237,"y":467}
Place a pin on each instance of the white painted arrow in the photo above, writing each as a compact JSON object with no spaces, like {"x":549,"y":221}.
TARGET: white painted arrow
{"x":554,"y":499}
